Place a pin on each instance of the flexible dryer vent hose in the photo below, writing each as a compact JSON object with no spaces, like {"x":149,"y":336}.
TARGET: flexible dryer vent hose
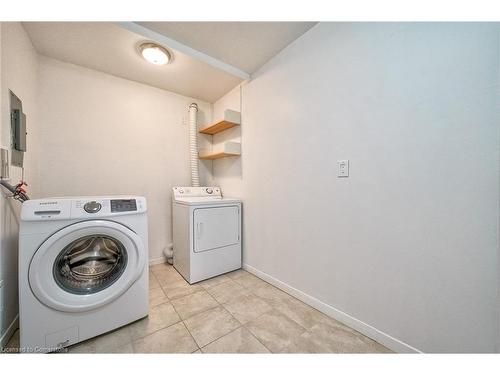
{"x":193,"y":144}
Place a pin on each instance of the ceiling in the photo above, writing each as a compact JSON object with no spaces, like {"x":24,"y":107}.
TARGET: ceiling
{"x":245,"y":45}
{"x":205,"y":53}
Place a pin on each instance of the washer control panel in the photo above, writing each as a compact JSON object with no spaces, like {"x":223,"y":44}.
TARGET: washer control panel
{"x":123,"y":205}
{"x":92,"y":207}
{"x":82,"y":208}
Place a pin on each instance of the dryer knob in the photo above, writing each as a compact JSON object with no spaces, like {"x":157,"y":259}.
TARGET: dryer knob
{"x":92,"y":207}
{"x":209,"y":190}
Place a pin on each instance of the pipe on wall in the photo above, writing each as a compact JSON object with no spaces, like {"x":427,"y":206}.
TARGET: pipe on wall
{"x":193,"y":144}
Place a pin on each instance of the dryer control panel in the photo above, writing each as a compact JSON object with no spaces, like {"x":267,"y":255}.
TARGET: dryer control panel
{"x":199,"y":191}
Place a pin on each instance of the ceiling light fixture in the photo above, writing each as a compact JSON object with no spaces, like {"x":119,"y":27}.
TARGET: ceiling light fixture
{"x":155,"y":53}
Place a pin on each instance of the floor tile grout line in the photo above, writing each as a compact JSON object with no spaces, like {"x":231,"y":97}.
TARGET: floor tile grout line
{"x":218,"y":338}
{"x":249,"y":330}
{"x":216,"y":285}
{"x":222,"y":283}
{"x":256,"y":338}
{"x":183,"y":321}
{"x":187,"y":329}
{"x":156,"y":330}
{"x":192,"y":337}
{"x":201,"y":312}
{"x":243,"y":325}
{"x":201,"y":283}
{"x":220,"y":305}
{"x":272,"y":308}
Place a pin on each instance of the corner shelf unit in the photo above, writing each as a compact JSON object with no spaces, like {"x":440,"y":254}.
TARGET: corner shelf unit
{"x":230,"y":120}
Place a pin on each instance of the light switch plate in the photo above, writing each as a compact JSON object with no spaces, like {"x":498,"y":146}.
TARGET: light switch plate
{"x":343,"y":168}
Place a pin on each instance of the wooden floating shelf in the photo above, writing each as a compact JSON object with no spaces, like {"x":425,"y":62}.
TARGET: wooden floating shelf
{"x":230,"y":120}
{"x":227,"y":149}
{"x":217,"y":155}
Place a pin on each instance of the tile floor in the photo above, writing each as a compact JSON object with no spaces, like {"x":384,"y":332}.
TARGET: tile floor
{"x":232,"y":313}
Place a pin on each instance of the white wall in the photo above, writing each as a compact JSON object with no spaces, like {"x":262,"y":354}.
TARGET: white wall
{"x":408,"y":243}
{"x":19,"y":66}
{"x":104,"y":135}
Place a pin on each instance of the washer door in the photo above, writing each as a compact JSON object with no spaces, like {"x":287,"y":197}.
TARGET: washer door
{"x":86,"y":265}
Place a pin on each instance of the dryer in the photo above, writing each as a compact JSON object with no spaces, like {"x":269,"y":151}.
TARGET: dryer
{"x":82,"y":269}
{"x":206,"y":232}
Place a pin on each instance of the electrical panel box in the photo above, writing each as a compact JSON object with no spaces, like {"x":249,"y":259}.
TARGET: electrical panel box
{"x":19,"y":120}
{"x":18,"y":130}
{"x":4,"y":163}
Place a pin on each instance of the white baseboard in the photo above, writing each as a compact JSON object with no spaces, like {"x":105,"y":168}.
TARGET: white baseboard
{"x":350,"y":321}
{"x":159,"y":260}
{"x":9,"y":332}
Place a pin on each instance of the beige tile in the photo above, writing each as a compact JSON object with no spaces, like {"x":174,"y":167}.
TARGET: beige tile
{"x":328,"y":339}
{"x":165,"y":271}
{"x":167,"y":278}
{"x":180,"y":288}
{"x":210,"y":325}
{"x":236,"y":274}
{"x":198,"y":352}
{"x":250,"y":281}
{"x":194,"y":304}
{"x":173,"y":339}
{"x":273,"y":296}
{"x":111,"y":341}
{"x":86,"y":347}
{"x":153,"y":282}
{"x":117,"y":341}
{"x":213,"y":281}
{"x":238,"y":341}
{"x":303,"y":314}
{"x":160,"y":267}
{"x":160,"y":316}
{"x":246,"y":308}
{"x":167,"y":274}
{"x":227,"y":291}
{"x":294,"y":309}
{"x":157,"y":297}
{"x":303,"y":344}
{"x":274,"y":330}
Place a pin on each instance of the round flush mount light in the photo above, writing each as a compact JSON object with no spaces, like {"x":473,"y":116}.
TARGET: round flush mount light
{"x":155,"y":54}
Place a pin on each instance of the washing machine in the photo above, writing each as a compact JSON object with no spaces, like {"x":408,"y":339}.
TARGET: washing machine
{"x":82,"y":269}
{"x":206,"y":232}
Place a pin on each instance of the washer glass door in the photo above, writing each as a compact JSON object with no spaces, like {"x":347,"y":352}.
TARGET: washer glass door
{"x":86,"y":265}
{"x":90,"y":264}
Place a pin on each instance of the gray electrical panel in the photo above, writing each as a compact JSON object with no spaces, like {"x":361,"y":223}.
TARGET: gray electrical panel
{"x":18,"y":130}
{"x":4,"y":163}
